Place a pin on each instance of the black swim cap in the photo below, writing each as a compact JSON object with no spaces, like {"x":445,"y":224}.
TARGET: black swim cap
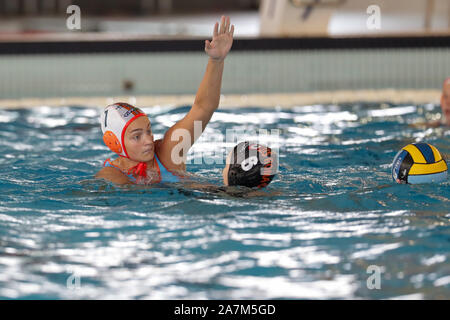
{"x":252,"y":165}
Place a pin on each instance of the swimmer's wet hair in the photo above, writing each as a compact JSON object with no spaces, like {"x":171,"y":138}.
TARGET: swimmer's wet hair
{"x":252,"y":165}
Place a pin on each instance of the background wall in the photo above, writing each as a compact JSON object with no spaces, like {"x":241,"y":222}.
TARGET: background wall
{"x":265,"y":71}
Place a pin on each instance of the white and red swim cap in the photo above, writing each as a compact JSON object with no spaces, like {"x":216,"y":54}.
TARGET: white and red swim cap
{"x":115,"y":120}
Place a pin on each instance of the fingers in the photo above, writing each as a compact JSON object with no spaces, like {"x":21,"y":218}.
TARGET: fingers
{"x":216,"y":28}
{"x":227,"y":24}
{"x":224,"y":26}
{"x":208,"y":44}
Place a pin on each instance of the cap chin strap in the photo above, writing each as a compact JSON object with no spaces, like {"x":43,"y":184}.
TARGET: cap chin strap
{"x":139,"y":170}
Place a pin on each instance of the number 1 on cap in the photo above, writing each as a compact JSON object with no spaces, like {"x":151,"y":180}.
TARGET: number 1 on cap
{"x":106,"y":116}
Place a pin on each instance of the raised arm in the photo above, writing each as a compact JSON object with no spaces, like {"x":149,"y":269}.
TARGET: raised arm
{"x":181,"y":136}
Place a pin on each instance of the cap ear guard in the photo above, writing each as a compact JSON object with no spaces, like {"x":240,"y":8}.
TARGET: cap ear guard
{"x":111,"y":141}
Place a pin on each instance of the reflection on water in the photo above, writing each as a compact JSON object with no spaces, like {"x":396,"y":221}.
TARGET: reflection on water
{"x":336,"y":213}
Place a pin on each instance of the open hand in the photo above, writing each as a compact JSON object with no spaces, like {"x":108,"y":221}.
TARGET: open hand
{"x":222,"y":40}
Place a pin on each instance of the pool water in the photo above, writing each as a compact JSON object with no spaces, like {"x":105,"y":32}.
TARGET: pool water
{"x":65,"y":235}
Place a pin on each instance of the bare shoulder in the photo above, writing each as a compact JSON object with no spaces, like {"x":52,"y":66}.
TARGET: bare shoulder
{"x":165,"y":156}
{"x":113,"y":175}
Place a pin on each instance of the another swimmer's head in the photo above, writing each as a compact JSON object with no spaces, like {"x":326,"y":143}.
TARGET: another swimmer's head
{"x":127,"y":132}
{"x":250,"y":165}
{"x":445,"y":101}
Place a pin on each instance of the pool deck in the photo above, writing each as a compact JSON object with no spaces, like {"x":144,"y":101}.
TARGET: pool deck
{"x":284,"y":100}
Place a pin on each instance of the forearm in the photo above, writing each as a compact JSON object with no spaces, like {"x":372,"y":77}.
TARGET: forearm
{"x":208,"y":94}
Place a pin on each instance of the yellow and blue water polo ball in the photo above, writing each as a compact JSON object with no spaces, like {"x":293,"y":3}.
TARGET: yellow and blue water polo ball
{"x":419,"y":163}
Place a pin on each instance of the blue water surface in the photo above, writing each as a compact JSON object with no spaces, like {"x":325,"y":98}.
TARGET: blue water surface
{"x":330,"y":215}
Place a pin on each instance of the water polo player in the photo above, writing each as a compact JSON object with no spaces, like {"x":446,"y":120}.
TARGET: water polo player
{"x":445,"y":106}
{"x":445,"y":102}
{"x":251,"y":165}
{"x":127,"y":130}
